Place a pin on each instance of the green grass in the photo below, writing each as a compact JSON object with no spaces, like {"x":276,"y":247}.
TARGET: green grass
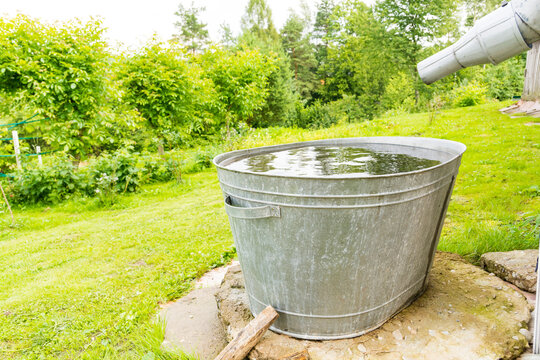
{"x":79,"y":281}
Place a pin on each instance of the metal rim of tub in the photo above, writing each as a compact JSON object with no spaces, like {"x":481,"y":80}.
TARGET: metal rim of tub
{"x":382,"y":140}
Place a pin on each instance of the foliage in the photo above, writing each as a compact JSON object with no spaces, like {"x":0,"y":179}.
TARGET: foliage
{"x":240,"y":79}
{"x":169,"y":92}
{"x":410,"y":24}
{"x":60,"y":71}
{"x":157,"y":168}
{"x":259,"y":32}
{"x":296,"y":44}
{"x":49,"y":184}
{"x":192,"y":33}
{"x":475,"y":9}
{"x":257,"y":24}
{"x":356,"y":63}
{"x":281,"y":96}
{"x":324,"y":28}
{"x":315,"y":116}
{"x":399,"y":93}
{"x":505,"y":80}
{"x":117,"y":171}
{"x":471,"y":94}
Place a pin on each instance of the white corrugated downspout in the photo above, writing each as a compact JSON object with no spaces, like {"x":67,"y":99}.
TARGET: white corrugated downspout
{"x":500,"y":35}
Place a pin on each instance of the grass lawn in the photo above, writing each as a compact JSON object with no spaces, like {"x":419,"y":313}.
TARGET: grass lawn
{"x":83,"y":282}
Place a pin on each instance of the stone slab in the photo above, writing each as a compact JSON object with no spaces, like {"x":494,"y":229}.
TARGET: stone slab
{"x":192,"y":324}
{"x":465,"y":314}
{"x":517,"y":267}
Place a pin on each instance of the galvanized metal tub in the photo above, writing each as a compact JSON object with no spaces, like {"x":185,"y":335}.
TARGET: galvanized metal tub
{"x":338,"y":256}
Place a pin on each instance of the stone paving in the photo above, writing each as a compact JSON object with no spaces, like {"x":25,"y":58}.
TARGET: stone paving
{"x":516,"y":267}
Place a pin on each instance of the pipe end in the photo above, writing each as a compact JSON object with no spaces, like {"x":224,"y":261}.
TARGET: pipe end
{"x":438,"y":66}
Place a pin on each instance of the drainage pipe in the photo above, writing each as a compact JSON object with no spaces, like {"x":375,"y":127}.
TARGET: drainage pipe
{"x":500,"y":35}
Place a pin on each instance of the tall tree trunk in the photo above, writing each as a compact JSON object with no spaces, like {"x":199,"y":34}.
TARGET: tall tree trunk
{"x":530,"y":99}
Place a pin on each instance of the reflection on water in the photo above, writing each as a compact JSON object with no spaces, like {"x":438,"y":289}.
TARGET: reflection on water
{"x":331,"y":161}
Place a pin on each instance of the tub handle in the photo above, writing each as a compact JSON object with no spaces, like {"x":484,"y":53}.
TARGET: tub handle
{"x":260,"y":212}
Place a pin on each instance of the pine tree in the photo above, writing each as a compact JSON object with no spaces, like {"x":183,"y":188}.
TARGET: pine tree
{"x":296,"y":44}
{"x":193,"y":33}
{"x":323,"y":29}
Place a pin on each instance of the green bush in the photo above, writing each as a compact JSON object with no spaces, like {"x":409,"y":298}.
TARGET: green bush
{"x":399,"y":93}
{"x":160,"y":168}
{"x":104,"y":177}
{"x":200,"y":159}
{"x":474,"y":93}
{"x":315,"y":116}
{"x":505,"y":80}
{"x":348,"y":108}
{"x":48,"y":184}
{"x":119,"y":169}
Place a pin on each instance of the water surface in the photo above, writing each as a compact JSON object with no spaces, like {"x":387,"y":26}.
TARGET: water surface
{"x":331,"y":161}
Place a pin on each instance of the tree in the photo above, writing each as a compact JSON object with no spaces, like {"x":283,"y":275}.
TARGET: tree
{"x":170,"y":93}
{"x":324,"y":28}
{"x":259,"y":32}
{"x":410,"y":24}
{"x":297,"y":46}
{"x":241,"y":82}
{"x":61,"y":72}
{"x":475,"y":9}
{"x":228,"y":39}
{"x":358,"y":63}
{"x":258,"y":26}
{"x":193,"y":33}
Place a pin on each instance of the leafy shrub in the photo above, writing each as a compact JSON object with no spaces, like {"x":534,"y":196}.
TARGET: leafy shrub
{"x":315,"y":116}
{"x":160,"y":168}
{"x":48,"y":184}
{"x":399,"y":93}
{"x":348,"y":108}
{"x":474,"y":93}
{"x":200,"y":160}
{"x":120,"y":167}
{"x":505,"y":80}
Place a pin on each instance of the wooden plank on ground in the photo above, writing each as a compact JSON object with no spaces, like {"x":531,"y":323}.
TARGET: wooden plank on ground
{"x":249,"y":336}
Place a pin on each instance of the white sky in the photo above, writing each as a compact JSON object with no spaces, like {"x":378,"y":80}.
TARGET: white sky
{"x":133,"y":22}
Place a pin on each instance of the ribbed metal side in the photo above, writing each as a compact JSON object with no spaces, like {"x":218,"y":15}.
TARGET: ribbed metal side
{"x":337,"y":257}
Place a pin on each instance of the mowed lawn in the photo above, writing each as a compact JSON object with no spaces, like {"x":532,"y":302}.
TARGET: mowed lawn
{"x":83,"y":282}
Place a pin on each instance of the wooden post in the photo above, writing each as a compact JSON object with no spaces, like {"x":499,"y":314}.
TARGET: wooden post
{"x":17,"y":149}
{"x":38,"y":152}
{"x":530,"y":98}
{"x":249,"y":336}
{"x":531,"y":86}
